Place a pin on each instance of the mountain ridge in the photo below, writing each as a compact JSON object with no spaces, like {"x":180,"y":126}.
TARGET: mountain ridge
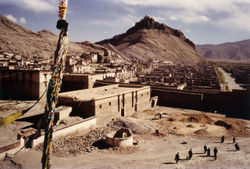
{"x":22,"y":41}
{"x":149,"y":23}
{"x":235,"y":51}
{"x":149,"y":40}
{"x":146,"y":41}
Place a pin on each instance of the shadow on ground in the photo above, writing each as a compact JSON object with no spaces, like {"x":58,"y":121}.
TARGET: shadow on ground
{"x":101,"y":144}
{"x":168,"y":163}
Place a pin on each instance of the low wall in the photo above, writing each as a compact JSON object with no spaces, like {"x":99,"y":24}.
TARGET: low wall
{"x":234,"y":104}
{"x":174,"y":98}
{"x":11,"y":149}
{"x":86,"y":124}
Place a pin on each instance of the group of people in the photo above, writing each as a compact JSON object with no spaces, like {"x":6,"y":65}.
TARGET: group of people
{"x":190,"y":155}
{"x":237,"y":147}
{"x":207,"y":150}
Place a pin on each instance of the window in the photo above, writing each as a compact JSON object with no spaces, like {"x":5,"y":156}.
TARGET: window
{"x":141,"y":94}
{"x":100,"y":106}
{"x":110,"y":103}
{"x":147,"y":93}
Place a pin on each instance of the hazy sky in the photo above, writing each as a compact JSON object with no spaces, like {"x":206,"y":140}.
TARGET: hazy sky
{"x":202,"y":21}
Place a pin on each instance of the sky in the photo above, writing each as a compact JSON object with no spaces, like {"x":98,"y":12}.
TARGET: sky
{"x":202,"y":21}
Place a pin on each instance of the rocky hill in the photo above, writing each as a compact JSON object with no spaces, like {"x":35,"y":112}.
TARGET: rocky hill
{"x":17,"y":39}
{"x":149,"y":40}
{"x":237,"y":51}
{"x":146,"y":41}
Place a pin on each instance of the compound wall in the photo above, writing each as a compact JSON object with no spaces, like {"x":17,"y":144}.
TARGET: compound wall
{"x":235,"y":103}
{"x":23,"y":84}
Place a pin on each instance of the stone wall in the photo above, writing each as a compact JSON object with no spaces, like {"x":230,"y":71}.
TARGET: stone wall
{"x":68,"y":130}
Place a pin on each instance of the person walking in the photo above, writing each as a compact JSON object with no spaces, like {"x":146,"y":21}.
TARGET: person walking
{"x":215,"y":153}
{"x":234,"y":140}
{"x":237,"y":147}
{"x":208,"y":152}
{"x":222,"y":139}
{"x":205,"y":149}
{"x":190,"y":154}
{"x":177,"y":157}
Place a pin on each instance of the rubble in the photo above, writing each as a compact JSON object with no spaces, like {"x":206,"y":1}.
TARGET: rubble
{"x":77,"y":144}
{"x":136,"y":128}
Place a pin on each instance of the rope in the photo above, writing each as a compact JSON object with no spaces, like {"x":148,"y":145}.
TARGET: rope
{"x":11,"y":118}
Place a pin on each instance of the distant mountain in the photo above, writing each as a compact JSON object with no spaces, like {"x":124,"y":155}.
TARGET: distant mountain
{"x":146,"y":41}
{"x":149,"y":40}
{"x":237,"y":51}
{"x":17,"y":39}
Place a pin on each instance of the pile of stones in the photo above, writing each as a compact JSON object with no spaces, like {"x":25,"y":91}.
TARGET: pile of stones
{"x":95,"y":139}
{"x":73,"y":145}
{"x":135,"y":127}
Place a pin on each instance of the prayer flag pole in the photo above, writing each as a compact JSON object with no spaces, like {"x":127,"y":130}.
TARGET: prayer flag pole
{"x":55,"y":83}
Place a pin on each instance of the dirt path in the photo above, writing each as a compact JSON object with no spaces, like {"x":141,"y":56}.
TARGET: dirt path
{"x":159,"y":151}
{"x":152,"y":152}
{"x":230,"y":81}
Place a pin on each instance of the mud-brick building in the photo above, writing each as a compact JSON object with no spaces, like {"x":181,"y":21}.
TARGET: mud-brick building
{"x":107,"y":102}
{"x":79,"y":81}
{"x":23,"y":84}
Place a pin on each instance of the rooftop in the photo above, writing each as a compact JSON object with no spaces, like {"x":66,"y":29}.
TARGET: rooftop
{"x":98,"y":93}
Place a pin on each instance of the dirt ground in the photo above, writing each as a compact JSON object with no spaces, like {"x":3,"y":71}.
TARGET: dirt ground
{"x":179,"y":130}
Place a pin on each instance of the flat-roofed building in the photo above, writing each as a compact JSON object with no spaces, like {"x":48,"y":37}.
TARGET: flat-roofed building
{"x":107,"y":102}
{"x":79,"y":81}
{"x":23,"y":84}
